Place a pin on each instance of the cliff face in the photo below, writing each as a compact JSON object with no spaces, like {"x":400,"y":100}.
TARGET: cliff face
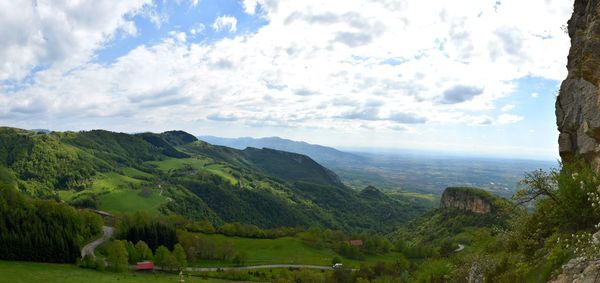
{"x":465,"y":199}
{"x":578,"y":104}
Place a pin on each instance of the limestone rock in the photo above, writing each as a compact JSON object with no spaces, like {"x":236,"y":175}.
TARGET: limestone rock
{"x":577,"y":105}
{"x":467,"y":199}
{"x":579,"y":270}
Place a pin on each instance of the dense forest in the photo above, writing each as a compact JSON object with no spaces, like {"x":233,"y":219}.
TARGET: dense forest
{"x":42,"y":230}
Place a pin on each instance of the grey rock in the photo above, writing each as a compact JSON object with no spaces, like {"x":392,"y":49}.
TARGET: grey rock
{"x":577,"y":105}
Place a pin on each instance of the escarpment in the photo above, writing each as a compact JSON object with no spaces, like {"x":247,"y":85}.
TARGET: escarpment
{"x":578,"y":105}
{"x":468,"y":199}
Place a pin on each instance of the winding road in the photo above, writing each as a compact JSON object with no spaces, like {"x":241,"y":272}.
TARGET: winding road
{"x":89,"y":248}
{"x":460,"y":248}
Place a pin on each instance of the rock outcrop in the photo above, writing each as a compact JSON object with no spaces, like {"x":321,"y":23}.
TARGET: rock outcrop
{"x":578,"y":104}
{"x":579,"y":270}
{"x":468,"y":199}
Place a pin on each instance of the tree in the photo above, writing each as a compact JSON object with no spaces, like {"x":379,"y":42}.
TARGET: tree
{"x":401,"y":264}
{"x":239,"y":258}
{"x":132,"y":252}
{"x":447,"y":248}
{"x":162,"y":257}
{"x":117,"y":256}
{"x":143,"y":250}
{"x":88,"y":261}
{"x":537,"y":184}
{"x":180,"y":257}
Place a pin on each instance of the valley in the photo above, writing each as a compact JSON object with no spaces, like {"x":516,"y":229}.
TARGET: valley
{"x":409,"y":172}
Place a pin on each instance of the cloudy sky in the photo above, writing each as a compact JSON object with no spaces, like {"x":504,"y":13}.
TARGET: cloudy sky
{"x":475,"y":76}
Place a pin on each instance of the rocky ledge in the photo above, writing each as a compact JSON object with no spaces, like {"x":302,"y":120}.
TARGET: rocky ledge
{"x":468,"y":199}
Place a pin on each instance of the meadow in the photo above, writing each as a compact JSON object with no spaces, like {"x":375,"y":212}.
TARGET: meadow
{"x":26,"y":272}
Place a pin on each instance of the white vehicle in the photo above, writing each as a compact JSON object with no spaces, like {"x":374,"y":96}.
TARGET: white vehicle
{"x":337,"y":266}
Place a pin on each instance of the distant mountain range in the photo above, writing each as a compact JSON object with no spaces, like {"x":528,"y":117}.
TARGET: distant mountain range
{"x":322,"y":154}
{"x":407,"y":170}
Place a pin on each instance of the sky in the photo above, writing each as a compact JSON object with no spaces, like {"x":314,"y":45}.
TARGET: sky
{"x":467,"y":76}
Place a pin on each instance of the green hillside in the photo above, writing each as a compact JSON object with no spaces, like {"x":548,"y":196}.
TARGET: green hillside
{"x":442,"y":224}
{"x":174,"y":173}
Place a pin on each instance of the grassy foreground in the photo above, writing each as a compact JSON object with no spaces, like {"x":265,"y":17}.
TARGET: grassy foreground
{"x":286,"y":250}
{"x":25,"y":272}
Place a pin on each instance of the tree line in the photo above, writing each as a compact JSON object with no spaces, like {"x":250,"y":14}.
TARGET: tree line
{"x":42,"y":230}
{"x":120,"y":253}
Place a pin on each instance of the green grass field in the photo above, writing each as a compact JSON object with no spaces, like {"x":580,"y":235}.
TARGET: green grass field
{"x":176,"y":163}
{"x":112,"y":180}
{"x":135,"y":173}
{"x":199,"y":164}
{"x":127,"y":200}
{"x":27,"y":272}
{"x":286,"y":250}
{"x":116,"y":194}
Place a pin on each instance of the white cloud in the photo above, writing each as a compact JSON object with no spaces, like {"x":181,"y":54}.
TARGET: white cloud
{"x":315,"y":65}
{"x":59,"y":34}
{"x":198,"y":29}
{"x":535,"y":94}
{"x":509,"y":119}
{"x":225,"y":22}
{"x":250,"y":6}
{"x":507,"y":107}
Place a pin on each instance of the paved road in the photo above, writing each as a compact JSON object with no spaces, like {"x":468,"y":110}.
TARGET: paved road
{"x":460,"y":248}
{"x":204,"y":269}
{"x":89,"y":248}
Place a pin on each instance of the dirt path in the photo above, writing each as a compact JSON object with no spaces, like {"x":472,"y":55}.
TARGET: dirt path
{"x":89,"y":248}
{"x":460,"y":248}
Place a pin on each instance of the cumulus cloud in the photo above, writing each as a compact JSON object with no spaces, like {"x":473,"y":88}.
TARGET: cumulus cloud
{"x":368,"y":113}
{"x":314,"y":64}
{"x":225,"y":23}
{"x":58,"y":33}
{"x":460,"y":93}
{"x":535,"y":94}
{"x":407,"y":118}
{"x":222,"y":117}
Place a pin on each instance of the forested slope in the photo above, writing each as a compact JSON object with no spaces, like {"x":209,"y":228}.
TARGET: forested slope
{"x":174,"y":173}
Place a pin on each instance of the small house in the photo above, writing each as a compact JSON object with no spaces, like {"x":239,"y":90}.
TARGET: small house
{"x":357,"y":243}
{"x":144,"y":266}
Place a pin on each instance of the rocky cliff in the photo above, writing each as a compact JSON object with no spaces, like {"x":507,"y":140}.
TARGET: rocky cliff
{"x":577,"y":105}
{"x":468,"y":199}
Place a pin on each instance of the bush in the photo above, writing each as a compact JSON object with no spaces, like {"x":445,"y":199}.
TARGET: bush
{"x":435,"y":270}
{"x":239,"y":258}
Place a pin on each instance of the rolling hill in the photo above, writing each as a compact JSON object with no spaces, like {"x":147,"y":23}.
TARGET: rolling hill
{"x":174,"y":173}
{"x":322,"y":154}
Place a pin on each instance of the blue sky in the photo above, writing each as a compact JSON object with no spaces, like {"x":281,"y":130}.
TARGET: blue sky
{"x":470,"y":76}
